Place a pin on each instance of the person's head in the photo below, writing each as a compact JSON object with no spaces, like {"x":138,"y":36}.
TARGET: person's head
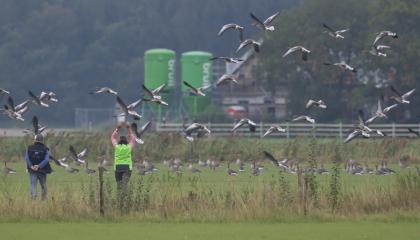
{"x":39,"y":138}
{"x":123,"y":140}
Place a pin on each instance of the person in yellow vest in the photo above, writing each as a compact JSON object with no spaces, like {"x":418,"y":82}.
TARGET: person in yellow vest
{"x":123,"y":163}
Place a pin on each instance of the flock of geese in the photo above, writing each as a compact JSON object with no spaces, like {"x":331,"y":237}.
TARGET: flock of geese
{"x":197,"y":130}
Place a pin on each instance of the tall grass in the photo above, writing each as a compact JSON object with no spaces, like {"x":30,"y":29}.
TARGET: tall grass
{"x":273,"y":195}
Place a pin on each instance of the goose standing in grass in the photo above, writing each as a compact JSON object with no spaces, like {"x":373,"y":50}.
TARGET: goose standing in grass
{"x":337,"y":34}
{"x":273,"y":129}
{"x":193,"y":169}
{"x":138,"y":134}
{"x":226,"y":78}
{"x":88,"y":170}
{"x":232,"y":26}
{"x":381,"y":112}
{"x":401,"y":98}
{"x":304,"y":118}
{"x":227,"y":59}
{"x":196,"y":91}
{"x":242,"y":122}
{"x":304,"y":52}
{"x":249,"y":42}
{"x":230,"y":171}
{"x":266,"y":25}
{"x":343,"y":66}
{"x":78,"y":157}
{"x":312,"y":103}
{"x":254,"y":169}
{"x":241,"y":165}
{"x":8,"y":170}
{"x":383,"y":34}
{"x":4,"y":92}
{"x":412,"y":131}
{"x":129,"y":109}
{"x":104,"y":90}
{"x":385,"y":168}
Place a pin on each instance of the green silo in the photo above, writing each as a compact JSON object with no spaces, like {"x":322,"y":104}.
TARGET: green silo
{"x":159,"y":68}
{"x":196,"y":69}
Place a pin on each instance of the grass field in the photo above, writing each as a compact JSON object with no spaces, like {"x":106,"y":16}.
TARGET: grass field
{"x":202,"y":231}
{"x":213,"y":196}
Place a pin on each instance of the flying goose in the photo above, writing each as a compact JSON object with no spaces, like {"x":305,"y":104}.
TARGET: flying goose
{"x":337,"y":34}
{"x":4,"y":92}
{"x":37,"y":99}
{"x":140,"y":133}
{"x":305,"y":118}
{"x":401,"y":98}
{"x":13,"y":112}
{"x":48,"y":96}
{"x":343,"y":66}
{"x":384,"y":34}
{"x":104,"y":90}
{"x":266,"y":24}
{"x":227,"y":59}
{"x":225,"y":78}
{"x":37,"y":128}
{"x":62,"y":163}
{"x":274,"y":128}
{"x":230,"y":171}
{"x":277,"y":163}
{"x":233,"y":26}
{"x":154,"y":94}
{"x":129,"y":109}
{"x":410,"y":130}
{"x":194,"y":127}
{"x":313,"y":103}
{"x":242,"y":122}
{"x":256,"y":45}
{"x":78,"y":157}
{"x":381,"y":112}
{"x":196,"y":91}
{"x":305,"y":52}
{"x":7,"y":170}
{"x":377,"y":50}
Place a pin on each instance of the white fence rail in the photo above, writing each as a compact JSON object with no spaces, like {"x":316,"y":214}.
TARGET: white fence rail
{"x":297,"y":129}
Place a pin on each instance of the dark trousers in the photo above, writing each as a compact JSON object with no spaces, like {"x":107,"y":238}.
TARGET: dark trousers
{"x":34,"y":178}
{"x":122,"y":178}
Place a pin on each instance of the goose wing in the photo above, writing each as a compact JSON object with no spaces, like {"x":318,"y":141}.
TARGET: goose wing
{"x":35,"y":125}
{"x":408,"y":94}
{"x":257,"y":21}
{"x":122,"y":105}
{"x":292,"y":50}
{"x":226,"y":27}
{"x":271,"y":158}
{"x":387,"y":109}
{"x":147,"y":91}
{"x":271,"y":18}
{"x":33,"y":96}
{"x":145,"y":127}
{"x":158,"y":89}
{"x":328,"y":28}
{"x":11,"y":103}
{"x":135,"y":104}
{"x":73,"y":152}
{"x":244,"y":44}
{"x":352,"y":136}
{"x":190,"y":86}
{"x":395,"y":91}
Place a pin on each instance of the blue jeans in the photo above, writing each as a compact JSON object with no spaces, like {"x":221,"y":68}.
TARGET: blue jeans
{"x":42,"y":178}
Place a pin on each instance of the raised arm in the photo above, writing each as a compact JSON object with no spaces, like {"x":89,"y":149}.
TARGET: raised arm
{"x":114,"y":136}
{"x":132,"y":137}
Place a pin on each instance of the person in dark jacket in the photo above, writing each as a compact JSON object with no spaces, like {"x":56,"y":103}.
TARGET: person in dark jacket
{"x":37,"y":161}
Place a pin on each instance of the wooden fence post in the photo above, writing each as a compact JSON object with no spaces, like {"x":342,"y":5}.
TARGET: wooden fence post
{"x":101,"y":190}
